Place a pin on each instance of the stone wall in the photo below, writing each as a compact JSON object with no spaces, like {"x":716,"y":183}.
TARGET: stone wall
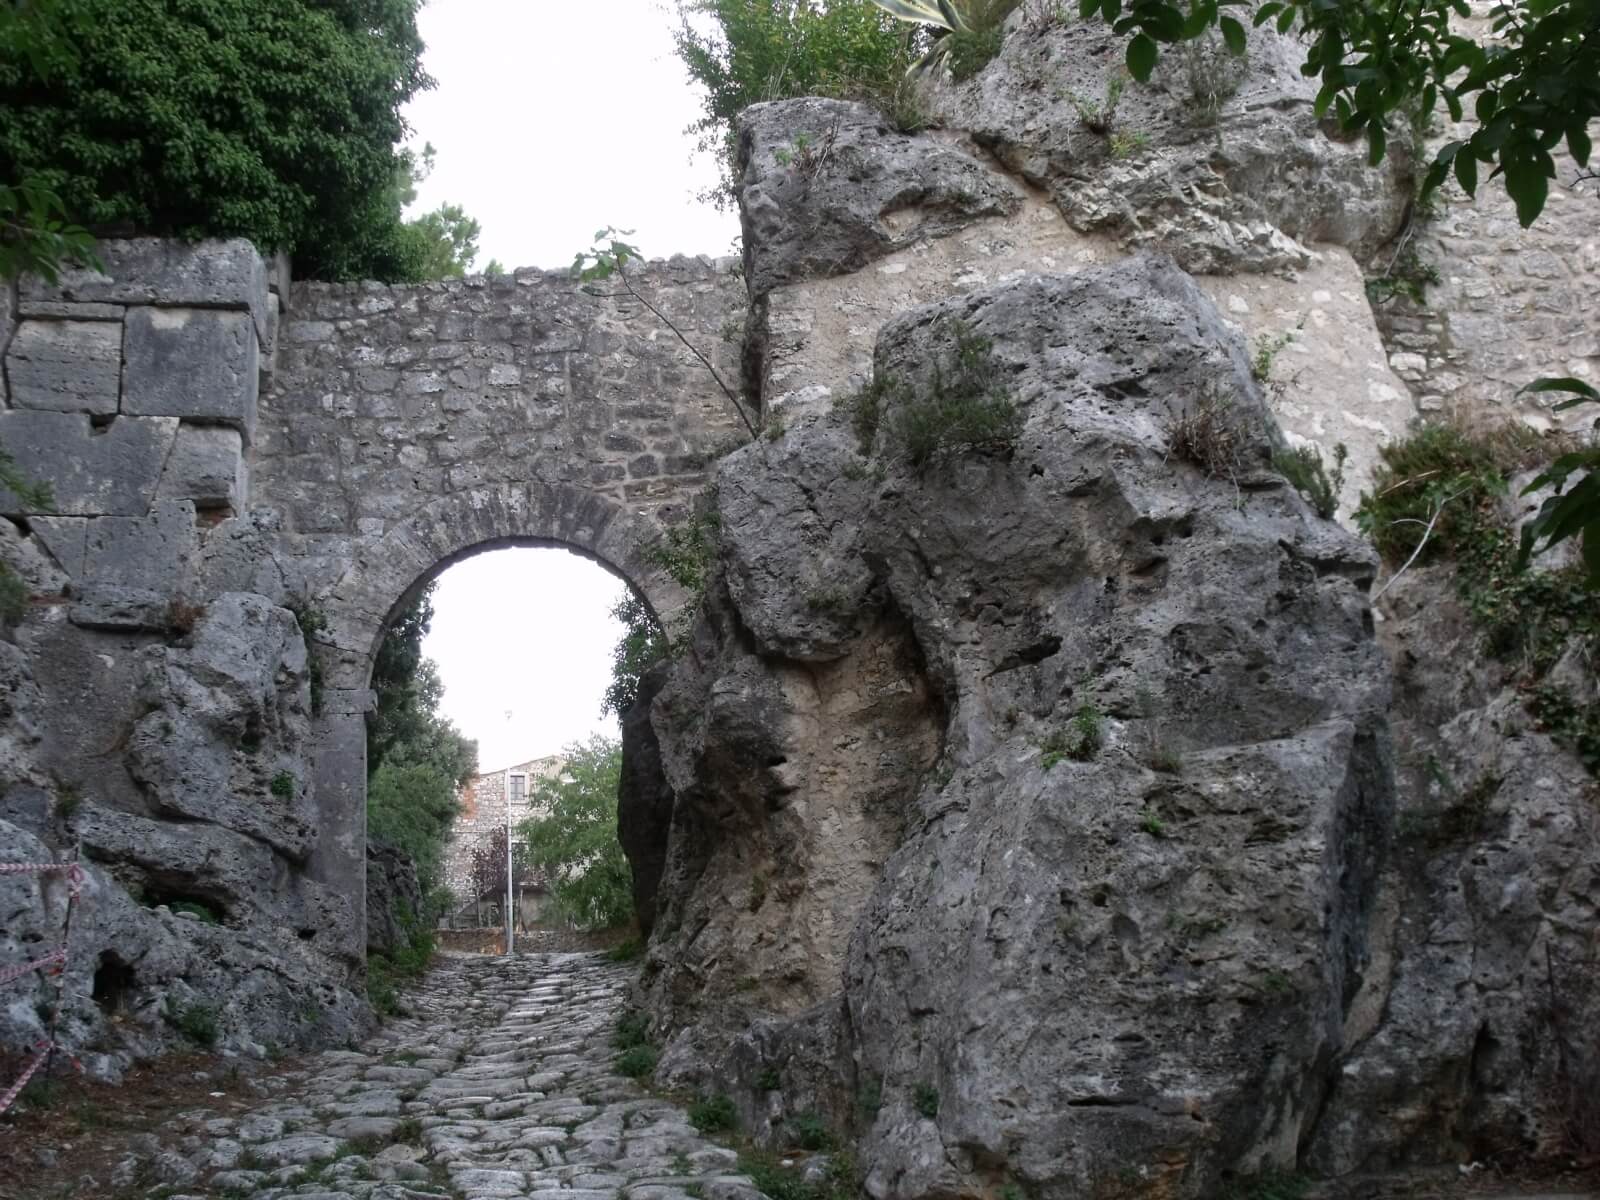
{"x":233,"y":516}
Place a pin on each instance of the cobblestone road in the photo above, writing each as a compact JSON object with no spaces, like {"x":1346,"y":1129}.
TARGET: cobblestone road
{"x":501,"y":1085}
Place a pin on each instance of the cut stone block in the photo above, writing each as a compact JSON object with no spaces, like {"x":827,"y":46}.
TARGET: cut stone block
{"x":65,"y":366}
{"x":208,"y":467}
{"x":212,"y":274}
{"x":137,"y":568}
{"x":90,"y":472}
{"x":66,"y":539}
{"x":191,"y":362}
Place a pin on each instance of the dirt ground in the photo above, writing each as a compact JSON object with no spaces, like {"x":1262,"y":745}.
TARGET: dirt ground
{"x":71,"y":1126}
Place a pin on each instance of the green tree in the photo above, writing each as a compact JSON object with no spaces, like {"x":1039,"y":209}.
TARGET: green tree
{"x":35,"y":235}
{"x":417,"y":761}
{"x":277,"y":122}
{"x":746,"y":51}
{"x":640,"y":647}
{"x":1532,"y":84}
{"x":411,"y":806}
{"x":576,"y":843}
{"x":442,"y":244}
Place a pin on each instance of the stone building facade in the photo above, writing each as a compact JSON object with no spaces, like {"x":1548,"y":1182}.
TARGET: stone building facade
{"x":484,"y":803}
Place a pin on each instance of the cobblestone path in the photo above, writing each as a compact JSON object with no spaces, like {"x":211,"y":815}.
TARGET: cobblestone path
{"x":500,"y":1086}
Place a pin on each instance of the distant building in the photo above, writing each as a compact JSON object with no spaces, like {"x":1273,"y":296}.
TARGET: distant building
{"x":483,"y":812}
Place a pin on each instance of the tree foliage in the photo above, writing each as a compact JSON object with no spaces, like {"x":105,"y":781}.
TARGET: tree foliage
{"x":1573,"y":511}
{"x":575,"y":844}
{"x":35,"y":235}
{"x":277,"y":122}
{"x":748,"y":51}
{"x":417,"y":760}
{"x":641,"y":646}
{"x":1534,"y":83}
{"x":443,"y":243}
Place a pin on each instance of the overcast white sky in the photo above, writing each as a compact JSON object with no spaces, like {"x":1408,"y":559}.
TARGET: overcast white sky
{"x":550,"y":121}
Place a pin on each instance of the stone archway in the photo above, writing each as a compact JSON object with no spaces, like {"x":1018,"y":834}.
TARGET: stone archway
{"x":385,"y":573}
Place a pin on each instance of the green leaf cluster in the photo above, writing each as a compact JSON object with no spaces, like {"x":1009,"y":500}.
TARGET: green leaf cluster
{"x":642,"y":645}
{"x":277,"y":122}
{"x":972,"y":31}
{"x":1574,"y":511}
{"x":968,"y":406}
{"x":745,"y":52}
{"x":417,"y":761}
{"x":575,"y":842}
{"x":1532,"y":84}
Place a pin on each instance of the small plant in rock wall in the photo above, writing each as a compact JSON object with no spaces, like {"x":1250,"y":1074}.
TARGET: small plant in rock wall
{"x":967,"y":408}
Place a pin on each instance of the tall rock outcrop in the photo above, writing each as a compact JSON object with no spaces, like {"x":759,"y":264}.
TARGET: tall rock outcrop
{"x":1044,"y":782}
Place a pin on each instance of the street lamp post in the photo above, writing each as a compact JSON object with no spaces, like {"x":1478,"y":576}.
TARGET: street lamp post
{"x":505,"y":790}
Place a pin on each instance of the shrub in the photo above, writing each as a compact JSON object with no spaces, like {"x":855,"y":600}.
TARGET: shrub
{"x":810,"y":1132}
{"x":973,"y":31}
{"x":863,"y":408}
{"x":925,"y":1099}
{"x":385,"y":973}
{"x":1439,"y":476}
{"x":641,"y":646}
{"x":196,"y":1021}
{"x":968,"y":408}
{"x":1304,"y":469}
{"x":713,"y":1114}
{"x":1080,"y":742}
{"x":626,"y":950}
{"x":633,"y":1029}
{"x":778,"y":1179}
{"x":1207,"y":434}
{"x":637,"y":1061}
{"x":1436,"y":495}
{"x":748,"y":51}
{"x":276,"y":122}
{"x":282,"y":785}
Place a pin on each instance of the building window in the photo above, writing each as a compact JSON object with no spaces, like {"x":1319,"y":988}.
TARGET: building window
{"x":519,"y":789}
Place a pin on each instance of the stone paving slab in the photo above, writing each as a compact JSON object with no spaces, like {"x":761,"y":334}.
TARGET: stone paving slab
{"x":498,"y":1086}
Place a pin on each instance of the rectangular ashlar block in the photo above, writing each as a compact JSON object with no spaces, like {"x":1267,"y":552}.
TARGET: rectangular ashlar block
{"x":197,"y":363}
{"x":91,"y":469}
{"x":66,"y":366}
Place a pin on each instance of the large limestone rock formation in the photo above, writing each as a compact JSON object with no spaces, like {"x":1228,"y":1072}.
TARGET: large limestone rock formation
{"x":1050,"y":778}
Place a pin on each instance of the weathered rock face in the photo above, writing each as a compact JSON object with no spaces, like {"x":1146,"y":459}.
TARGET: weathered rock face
{"x":224,"y":738}
{"x":879,"y":795}
{"x":181,"y":927}
{"x":1477,"y":1033}
{"x":394,"y":898}
{"x":1219,"y":161}
{"x":829,"y":186}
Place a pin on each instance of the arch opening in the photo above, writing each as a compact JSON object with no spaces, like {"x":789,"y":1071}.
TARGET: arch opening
{"x":494,"y":749}
{"x":389,"y":572}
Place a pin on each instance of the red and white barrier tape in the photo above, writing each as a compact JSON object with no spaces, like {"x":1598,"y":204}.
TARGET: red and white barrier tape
{"x":59,"y":957}
{"x":10,"y":1098}
{"x":73,"y":871}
